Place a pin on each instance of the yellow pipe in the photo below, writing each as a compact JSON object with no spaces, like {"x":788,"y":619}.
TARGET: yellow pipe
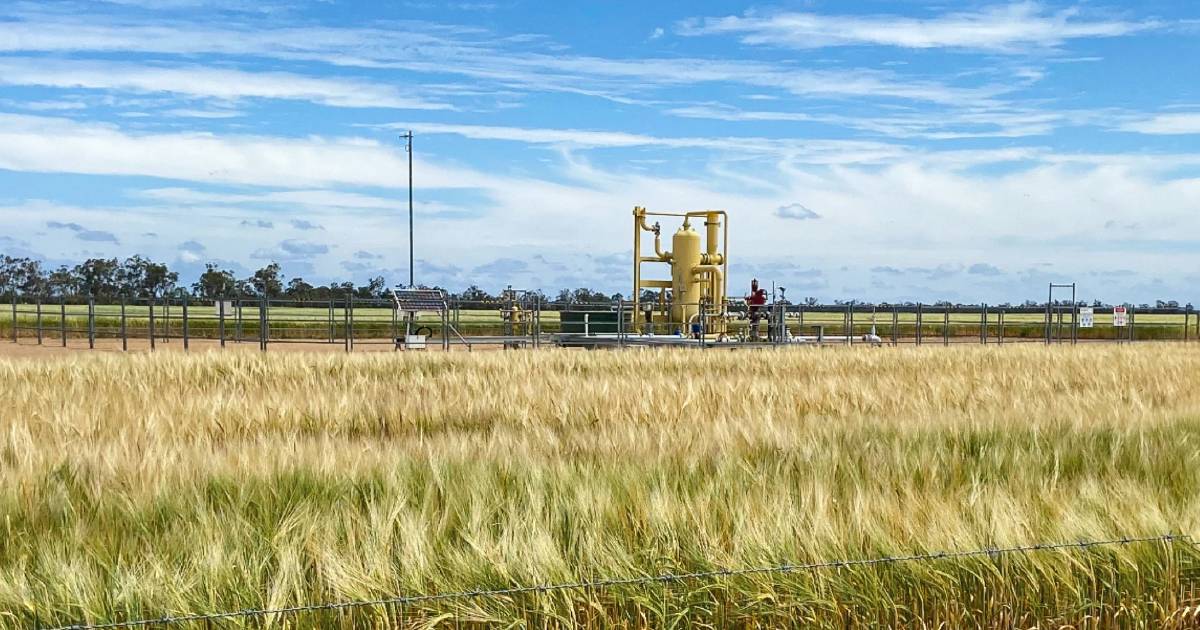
{"x":723,"y":258}
{"x":712,"y":222}
{"x":662,"y":256}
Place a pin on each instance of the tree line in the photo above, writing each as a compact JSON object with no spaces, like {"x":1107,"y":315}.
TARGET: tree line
{"x":141,"y":278}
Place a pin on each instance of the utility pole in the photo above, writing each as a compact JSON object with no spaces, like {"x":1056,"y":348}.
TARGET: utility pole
{"x":407,"y":137}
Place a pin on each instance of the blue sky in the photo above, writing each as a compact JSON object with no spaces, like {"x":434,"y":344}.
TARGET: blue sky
{"x":868,"y":150}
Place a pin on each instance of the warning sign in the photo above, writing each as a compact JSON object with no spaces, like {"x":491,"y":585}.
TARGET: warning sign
{"x":1087,"y":317}
{"x":1120,"y":319}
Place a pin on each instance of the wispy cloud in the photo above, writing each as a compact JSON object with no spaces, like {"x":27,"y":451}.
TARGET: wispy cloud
{"x":84,"y":234}
{"x":796,"y":211}
{"x":1007,"y":28}
{"x":206,"y":82}
{"x":1183,"y":123}
{"x":504,"y":63}
{"x":36,"y":144}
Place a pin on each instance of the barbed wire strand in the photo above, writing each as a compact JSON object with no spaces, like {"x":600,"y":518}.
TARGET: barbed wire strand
{"x":628,"y":581}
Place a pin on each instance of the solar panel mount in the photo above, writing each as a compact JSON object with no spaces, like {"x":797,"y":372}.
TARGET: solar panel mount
{"x":418,"y":300}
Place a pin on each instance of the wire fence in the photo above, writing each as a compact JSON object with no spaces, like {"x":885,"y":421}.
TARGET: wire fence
{"x":1178,"y":595}
{"x":350,"y":323}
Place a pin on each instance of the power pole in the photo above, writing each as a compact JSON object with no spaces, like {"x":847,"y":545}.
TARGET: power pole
{"x":407,"y":137}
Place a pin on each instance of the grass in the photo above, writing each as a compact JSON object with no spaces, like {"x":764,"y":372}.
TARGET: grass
{"x":144,"y":485}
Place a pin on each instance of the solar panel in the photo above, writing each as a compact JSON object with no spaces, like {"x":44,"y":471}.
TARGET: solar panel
{"x":414,"y":300}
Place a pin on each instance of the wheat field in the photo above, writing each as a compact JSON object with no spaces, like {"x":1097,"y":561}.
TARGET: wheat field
{"x":138,"y":486}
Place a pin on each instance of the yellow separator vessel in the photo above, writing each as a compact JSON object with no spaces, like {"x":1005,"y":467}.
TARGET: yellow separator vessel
{"x":696,"y":305}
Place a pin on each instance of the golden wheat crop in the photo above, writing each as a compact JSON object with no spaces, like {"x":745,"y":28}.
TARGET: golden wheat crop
{"x":143,"y":485}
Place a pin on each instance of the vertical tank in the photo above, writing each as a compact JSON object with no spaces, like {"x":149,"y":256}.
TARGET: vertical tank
{"x":685,"y":255}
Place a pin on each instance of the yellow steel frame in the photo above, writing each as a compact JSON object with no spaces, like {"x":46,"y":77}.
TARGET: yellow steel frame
{"x":712,"y":261}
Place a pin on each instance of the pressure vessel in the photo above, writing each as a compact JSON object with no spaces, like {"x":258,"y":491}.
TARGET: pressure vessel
{"x":685,"y":255}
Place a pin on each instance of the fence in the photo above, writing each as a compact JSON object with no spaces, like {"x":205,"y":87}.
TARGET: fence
{"x":1163,"y":589}
{"x":351,"y":323}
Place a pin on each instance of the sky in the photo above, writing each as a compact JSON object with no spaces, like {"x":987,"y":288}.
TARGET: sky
{"x":878,"y":151}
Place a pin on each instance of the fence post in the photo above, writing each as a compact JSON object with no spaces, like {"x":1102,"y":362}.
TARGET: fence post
{"x":895,"y":324}
{"x":1075,"y":321}
{"x":346,"y":325}
{"x":124,"y":336}
{"x":152,"y":304}
{"x":1187,"y":319}
{"x":330,"y":320}
{"x":350,"y":330}
{"x":395,"y":330}
{"x":262,"y":323}
{"x":1049,"y":320}
{"x":185,"y":323}
{"x":946,"y":327}
{"x":621,"y":323}
{"x":14,"y":316}
{"x":537,"y":320}
{"x":237,"y":321}
{"x":39,"y":320}
{"x":62,"y":319}
{"x":221,"y":321}
{"x":983,"y":336}
{"x":919,"y":318}
{"x":850,"y":323}
{"x":91,"y":323}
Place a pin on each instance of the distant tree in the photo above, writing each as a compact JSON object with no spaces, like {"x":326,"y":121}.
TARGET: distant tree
{"x":584,"y":295}
{"x":31,"y":279}
{"x":98,"y":277}
{"x":268,"y":281}
{"x":157,"y":279}
{"x":10,"y":270}
{"x":62,"y":282}
{"x":145,"y":278}
{"x":810,"y":301}
{"x":214,"y":283}
{"x":475,"y":294}
{"x":298,"y":289}
{"x":375,"y":288}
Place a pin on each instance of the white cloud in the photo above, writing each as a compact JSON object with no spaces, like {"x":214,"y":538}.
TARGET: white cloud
{"x":796,"y":211}
{"x":1003,"y":28}
{"x":997,"y":122}
{"x":54,"y":145}
{"x":429,"y":48}
{"x":1183,"y":123}
{"x":206,"y":82}
{"x":812,"y":151}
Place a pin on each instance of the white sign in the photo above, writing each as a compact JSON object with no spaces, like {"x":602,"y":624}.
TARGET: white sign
{"x":1087,"y":317}
{"x":1119,"y":317}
